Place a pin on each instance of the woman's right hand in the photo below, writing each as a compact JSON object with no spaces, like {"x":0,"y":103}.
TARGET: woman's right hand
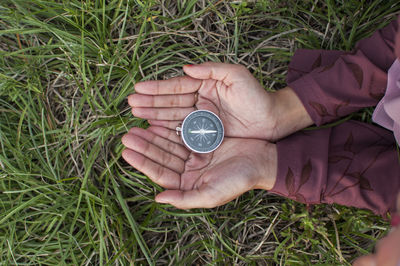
{"x":196,"y":180}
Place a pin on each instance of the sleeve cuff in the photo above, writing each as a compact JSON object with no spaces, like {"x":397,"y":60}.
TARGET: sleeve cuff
{"x":310,"y":95}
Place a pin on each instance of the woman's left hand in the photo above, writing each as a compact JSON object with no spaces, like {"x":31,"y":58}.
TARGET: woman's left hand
{"x":230,"y":91}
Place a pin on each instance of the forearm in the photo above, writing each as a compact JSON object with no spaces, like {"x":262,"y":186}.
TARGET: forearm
{"x":332,"y":84}
{"x":352,"y":164}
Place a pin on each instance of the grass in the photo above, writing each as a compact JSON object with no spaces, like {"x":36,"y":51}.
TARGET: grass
{"x":66,"y":68}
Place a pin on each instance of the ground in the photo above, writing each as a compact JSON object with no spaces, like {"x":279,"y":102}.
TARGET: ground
{"x":66,"y":68}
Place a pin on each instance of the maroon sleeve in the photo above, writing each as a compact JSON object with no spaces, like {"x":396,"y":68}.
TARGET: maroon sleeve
{"x":332,"y":84}
{"x":353,"y":164}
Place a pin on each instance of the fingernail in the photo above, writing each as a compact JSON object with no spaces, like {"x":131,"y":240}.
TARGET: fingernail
{"x":161,"y":201}
{"x":395,"y":220}
{"x":189,"y":65}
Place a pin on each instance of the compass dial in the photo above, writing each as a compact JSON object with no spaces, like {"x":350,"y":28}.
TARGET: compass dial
{"x":202,"y":131}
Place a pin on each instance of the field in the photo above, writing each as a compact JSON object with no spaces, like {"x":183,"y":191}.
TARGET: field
{"x":66,"y":195}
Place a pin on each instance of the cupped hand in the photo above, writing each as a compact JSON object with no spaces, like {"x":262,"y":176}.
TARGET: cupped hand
{"x":197,"y":180}
{"x":228,"y":90}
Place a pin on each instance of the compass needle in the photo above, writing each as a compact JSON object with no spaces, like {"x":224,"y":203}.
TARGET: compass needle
{"x":202,"y":131}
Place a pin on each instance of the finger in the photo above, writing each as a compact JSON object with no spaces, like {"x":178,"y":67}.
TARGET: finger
{"x":165,"y":123}
{"x":165,"y":144}
{"x":189,"y":199}
{"x":166,"y":133}
{"x":153,"y":152}
{"x":368,"y":260}
{"x":158,"y":174}
{"x":178,"y":85}
{"x":228,"y":73}
{"x":180,"y":100}
{"x":162,"y":113}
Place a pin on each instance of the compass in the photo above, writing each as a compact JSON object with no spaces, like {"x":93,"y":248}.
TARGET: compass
{"x":201,"y":131}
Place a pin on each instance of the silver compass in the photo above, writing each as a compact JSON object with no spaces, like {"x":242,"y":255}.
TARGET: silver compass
{"x":201,"y":131}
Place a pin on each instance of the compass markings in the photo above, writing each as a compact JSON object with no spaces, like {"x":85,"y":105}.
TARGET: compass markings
{"x":202,"y":133}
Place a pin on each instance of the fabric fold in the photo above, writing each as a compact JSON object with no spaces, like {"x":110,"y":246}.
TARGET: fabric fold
{"x":387,"y":112}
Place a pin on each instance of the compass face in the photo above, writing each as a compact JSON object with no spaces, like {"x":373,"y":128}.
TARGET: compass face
{"x":202,"y":131}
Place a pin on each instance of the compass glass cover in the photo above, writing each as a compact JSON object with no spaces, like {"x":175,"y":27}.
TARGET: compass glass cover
{"x":202,"y":131}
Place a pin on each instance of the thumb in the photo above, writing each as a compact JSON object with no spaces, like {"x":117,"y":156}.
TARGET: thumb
{"x":227,"y":73}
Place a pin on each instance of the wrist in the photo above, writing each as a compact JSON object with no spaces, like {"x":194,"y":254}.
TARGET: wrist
{"x":289,"y":113}
{"x":268,"y":167}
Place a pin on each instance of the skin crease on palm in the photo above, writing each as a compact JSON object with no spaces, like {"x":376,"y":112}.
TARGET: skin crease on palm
{"x":245,"y":160}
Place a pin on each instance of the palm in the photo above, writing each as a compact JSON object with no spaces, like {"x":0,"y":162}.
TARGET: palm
{"x":224,"y":175}
{"x":197,"y":180}
{"x":227,"y":90}
{"x":241,"y":105}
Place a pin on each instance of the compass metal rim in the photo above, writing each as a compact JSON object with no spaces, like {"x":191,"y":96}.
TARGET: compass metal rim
{"x":183,"y":135}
